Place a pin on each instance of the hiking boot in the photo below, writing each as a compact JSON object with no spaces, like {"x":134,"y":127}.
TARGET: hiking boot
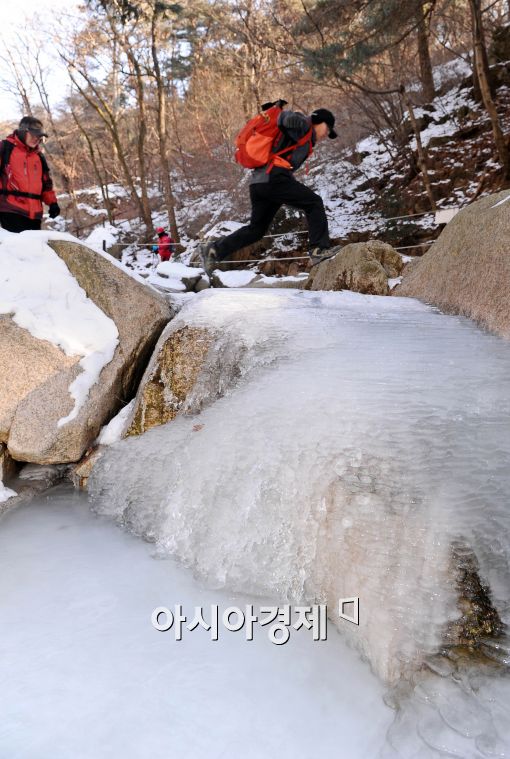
{"x":208,"y":257}
{"x":318,"y":255}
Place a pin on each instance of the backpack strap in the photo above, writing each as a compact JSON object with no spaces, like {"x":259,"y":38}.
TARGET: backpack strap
{"x":290,"y":148}
{"x":20,"y":194}
{"x":44,"y":163}
{"x":5,"y":155}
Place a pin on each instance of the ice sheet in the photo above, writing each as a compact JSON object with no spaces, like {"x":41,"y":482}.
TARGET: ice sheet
{"x":359,"y":438}
{"x":84,"y":674}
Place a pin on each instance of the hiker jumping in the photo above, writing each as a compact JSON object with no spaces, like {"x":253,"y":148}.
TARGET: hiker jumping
{"x":275,"y":144}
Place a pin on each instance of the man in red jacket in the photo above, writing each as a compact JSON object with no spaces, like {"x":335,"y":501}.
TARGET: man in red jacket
{"x":25,"y":181}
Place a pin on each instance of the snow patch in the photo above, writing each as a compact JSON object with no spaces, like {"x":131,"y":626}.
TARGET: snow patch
{"x":165,"y":283}
{"x":175,"y":270}
{"x":235,"y":277}
{"x":107,"y":234}
{"x":115,"y":429}
{"x":42,"y":296}
{"x":6,"y":493}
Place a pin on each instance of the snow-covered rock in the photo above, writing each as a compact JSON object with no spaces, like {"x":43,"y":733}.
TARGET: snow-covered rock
{"x":76,"y":329}
{"x":105,"y":235}
{"x":233,"y":278}
{"x":175,"y":277}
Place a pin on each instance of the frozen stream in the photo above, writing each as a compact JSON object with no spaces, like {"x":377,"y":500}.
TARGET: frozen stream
{"x":336,"y":446}
{"x":85,"y":676}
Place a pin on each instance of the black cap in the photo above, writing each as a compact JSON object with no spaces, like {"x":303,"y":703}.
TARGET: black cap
{"x":323,"y":116}
{"x":32,"y":125}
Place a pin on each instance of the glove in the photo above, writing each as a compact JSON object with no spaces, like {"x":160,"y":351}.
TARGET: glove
{"x":154,"y":248}
{"x":54,"y":210}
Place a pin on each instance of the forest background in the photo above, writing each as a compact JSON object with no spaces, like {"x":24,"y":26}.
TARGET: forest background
{"x":155,"y":92}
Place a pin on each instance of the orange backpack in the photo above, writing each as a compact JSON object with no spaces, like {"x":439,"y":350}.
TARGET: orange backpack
{"x":255,"y":141}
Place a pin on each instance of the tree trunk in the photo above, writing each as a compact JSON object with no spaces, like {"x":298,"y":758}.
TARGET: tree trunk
{"x":162,"y":135}
{"x":422,"y":153}
{"x":426,"y":77}
{"x":140,"y":143}
{"x":477,"y":87}
{"x":482,"y":70}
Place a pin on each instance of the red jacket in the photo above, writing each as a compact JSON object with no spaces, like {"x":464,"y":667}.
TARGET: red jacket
{"x":24,"y":172}
{"x":165,"y":247}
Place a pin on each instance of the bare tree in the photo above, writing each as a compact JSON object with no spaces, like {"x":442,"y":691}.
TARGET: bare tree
{"x":482,"y":70}
{"x":162,"y":123}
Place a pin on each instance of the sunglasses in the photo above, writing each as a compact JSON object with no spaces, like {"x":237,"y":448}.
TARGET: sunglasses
{"x":39,"y":137}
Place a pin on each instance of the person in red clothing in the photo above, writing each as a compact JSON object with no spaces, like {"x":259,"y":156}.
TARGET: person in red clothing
{"x":25,"y":180}
{"x":166,"y":244}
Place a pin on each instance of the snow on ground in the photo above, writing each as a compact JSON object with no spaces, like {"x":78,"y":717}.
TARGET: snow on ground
{"x":173,"y":285}
{"x":37,"y":289}
{"x":235,"y":277}
{"x":274,"y":280}
{"x":445,"y":108}
{"x":91,"y":211}
{"x":176,"y":270}
{"x":107,"y":234}
{"x":114,"y":190}
{"x":451,"y":72}
{"x":6,"y":493}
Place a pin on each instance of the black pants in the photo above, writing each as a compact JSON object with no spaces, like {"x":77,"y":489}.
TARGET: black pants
{"x":14,"y":222}
{"x":266,"y":199}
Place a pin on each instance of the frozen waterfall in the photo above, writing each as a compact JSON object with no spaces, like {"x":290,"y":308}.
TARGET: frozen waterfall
{"x":359,"y":447}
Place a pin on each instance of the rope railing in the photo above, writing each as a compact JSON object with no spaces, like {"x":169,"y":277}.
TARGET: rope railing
{"x":304,"y":231}
{"x":195,"y":264}
{"x":142,"y":245}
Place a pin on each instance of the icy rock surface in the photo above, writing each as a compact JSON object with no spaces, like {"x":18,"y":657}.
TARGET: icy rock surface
{"x":85,"y":676}
{"x":362,"y":436}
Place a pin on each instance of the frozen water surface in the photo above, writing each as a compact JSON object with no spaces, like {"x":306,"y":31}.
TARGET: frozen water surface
{"x":85,"y":676}
{"x":346,"y":444}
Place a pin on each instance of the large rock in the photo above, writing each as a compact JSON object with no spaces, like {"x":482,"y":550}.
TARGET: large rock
{"x":170,"y":377}
{"x":26,"y":363}
{"x":363,"y":267}
{"x":193,"y":364}
{"x":37,"y":375}
{"x":467,"y":269}
{"x":388,"y":257}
